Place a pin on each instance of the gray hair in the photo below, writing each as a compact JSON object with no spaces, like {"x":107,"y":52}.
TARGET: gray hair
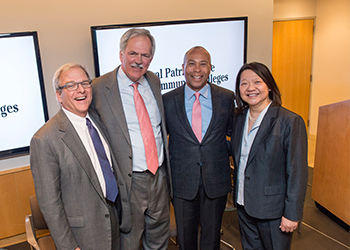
{"x":64,"y":68}
{"x":135,"y":33}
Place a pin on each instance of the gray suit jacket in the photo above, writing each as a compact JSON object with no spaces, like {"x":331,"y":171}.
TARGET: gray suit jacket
{"x":276,"y":173}
{"x":107,"y":103}
{"x":68,"y":191}
{"x":190,"y":159}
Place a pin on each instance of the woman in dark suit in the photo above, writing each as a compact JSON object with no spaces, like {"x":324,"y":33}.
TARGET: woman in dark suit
{"x":269,"y":149}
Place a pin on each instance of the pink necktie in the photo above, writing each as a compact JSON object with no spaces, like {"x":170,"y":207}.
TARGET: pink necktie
{"x":197,"y":118}
{"x":146,"y":131}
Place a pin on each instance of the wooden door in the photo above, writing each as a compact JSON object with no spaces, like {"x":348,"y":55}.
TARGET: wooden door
{"x":291,"y":63}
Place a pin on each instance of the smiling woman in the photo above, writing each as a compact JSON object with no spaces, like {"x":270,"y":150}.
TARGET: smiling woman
{"x":254,"y":91}
{"x":269,"y":149}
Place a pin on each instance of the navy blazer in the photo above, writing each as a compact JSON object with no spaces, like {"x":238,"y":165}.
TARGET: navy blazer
{"x":276,"y":172}
{"x":189,"y":159}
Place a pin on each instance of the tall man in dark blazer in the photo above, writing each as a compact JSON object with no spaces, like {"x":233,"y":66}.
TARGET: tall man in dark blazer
{"x":70,"y":181}
{"x":199,"y":159}
{"x":116,"y":96}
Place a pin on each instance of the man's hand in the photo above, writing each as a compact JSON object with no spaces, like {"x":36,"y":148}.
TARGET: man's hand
{"x":288,"y":226}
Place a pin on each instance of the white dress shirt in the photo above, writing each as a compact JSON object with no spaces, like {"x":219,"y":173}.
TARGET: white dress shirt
{"x":79,"y":124}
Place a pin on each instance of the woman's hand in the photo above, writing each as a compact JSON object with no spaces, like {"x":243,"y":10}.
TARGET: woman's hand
{"x":288,"y":226}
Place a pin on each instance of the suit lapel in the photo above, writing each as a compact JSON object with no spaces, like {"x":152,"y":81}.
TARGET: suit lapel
{"x":73,"y":142}
{"x":113,"y":98}
{"x":157,"y":95}
{"x":216,"y":107}
{"x":95,"y":117}
{"x":264,"y":129}
{"x":179,"y":102}
{"x":238,"y":130}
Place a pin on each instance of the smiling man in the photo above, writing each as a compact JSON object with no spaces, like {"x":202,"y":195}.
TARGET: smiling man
{"x":199,"y":117}
{"x":75,"y":183}
{"x":130,"y":105}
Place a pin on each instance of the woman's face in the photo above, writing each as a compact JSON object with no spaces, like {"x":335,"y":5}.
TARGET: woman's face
{"x":253,"y":90}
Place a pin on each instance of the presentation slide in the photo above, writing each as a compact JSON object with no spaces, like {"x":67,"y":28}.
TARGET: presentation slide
{"x":21,"y":99}
{"x":225,"y":39}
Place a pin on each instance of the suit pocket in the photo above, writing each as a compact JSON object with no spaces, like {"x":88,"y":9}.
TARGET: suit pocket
{"x":275,"y":190}
{"x":76,"y":221}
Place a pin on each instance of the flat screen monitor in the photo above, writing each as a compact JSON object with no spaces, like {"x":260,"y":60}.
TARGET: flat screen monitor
{"x":224,"y":38}
{"x":23,"y":105}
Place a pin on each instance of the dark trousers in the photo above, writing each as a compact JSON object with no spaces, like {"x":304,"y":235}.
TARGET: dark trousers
{"x":259,"y":234}
{"x":204,"y":212}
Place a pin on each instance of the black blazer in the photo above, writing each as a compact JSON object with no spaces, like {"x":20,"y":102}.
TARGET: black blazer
{"x":188,"y":157}
{"x":276,"y":172}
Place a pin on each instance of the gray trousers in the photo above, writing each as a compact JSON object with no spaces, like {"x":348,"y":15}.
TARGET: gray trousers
{"x":149,"y":201}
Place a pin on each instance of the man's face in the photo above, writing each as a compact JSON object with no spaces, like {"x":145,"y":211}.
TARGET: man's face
{"x":197,"y":68}
{"x":136,"y":58}
{"x":76,"y":101}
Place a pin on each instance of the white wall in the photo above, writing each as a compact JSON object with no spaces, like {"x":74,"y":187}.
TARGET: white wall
{"x":64,"y":29}
{"x":331,"y":53}
{"x":331,"y":60}
{"x":293,"y":9}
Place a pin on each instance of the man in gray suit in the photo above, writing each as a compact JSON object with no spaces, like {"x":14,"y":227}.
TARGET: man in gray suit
{"x":70,"y":182}
{"x":199,"y":159}
{"x":116,"y":99}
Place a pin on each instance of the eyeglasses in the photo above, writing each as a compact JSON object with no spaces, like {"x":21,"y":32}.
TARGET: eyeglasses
{"x":71,"y":86}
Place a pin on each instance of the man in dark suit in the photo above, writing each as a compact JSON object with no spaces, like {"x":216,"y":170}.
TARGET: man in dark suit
{"x":199,"y":158}
{"x":74,"y":195}
{"x":118,"y":97}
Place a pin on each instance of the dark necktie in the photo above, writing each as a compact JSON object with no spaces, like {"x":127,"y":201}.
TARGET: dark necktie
{"x":147,"y":133}
{"x":111,"y":182}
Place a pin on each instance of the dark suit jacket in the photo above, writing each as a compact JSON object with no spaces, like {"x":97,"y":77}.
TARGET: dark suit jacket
{"x":189,"y":158}
{"x":68,"y":190}
{"x":107,"y":102}
{"x":276,"y":173}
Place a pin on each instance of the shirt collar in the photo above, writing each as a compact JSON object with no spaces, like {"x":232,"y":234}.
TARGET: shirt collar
{"x":76,"y":119}
{"x":190,"y":92}
{"x":260,"y":117}
{"x":125,"y":82}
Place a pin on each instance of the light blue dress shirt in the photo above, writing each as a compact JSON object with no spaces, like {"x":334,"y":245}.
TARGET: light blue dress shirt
{"x":127,"y":96}
{"x":247,"y":142}
{"x":206,"y":105}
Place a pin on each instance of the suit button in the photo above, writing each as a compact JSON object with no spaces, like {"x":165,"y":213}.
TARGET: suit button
{"x":130,"y":157}
{"x":247,"y":178}
{"x":129,"y":175}
{"x":107,"y":216}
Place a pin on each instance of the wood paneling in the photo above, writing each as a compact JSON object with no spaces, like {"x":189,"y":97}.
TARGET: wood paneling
{"x":331,"y":177}
{"x":15,"y":188}
{"x":291,"y":63}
